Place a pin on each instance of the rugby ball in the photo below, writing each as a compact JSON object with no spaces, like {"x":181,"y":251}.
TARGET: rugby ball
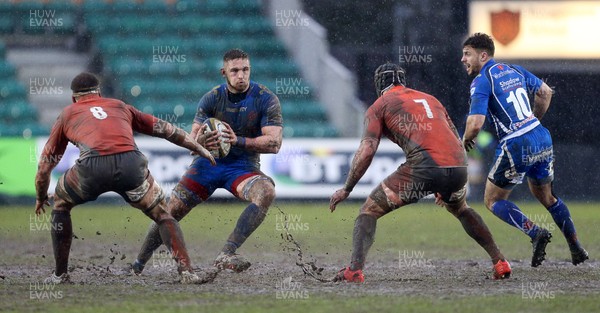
{"x":224,"y":147}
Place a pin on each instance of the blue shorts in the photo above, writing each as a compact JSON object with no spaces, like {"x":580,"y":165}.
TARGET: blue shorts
{"x":528,"y":155}
{"x":202,"y":179}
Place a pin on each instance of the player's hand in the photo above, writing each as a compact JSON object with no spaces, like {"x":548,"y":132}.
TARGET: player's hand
{"x":230,"y":134}
{"x":39,"y":205}
{"x":468,"y":144}
{"x":438,"y":200}
{"x":339,"y":196}
{"x":209,"y":140}
{"x":201,"y":151}
{"x":200,"y":136}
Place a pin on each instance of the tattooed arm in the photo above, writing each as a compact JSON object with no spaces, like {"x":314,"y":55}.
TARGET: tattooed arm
{"x":150,"y":125}
{"x":180,"y":137}
{"x":365,"y":153}
{"x":362,"y":159}
{"x":268,"y":142}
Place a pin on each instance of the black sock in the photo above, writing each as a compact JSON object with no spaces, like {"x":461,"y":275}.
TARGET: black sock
{"x":362,"y":239}
{"x":62,"y":236}
{"x":248,"y":221}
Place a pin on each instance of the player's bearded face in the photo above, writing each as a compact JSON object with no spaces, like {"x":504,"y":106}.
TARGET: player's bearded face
{"x":471,"y":59}
{"x":237,"y":73}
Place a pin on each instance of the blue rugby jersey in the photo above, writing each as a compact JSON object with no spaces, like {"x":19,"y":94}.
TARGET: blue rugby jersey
{"x":500,"y":91}
{"x":260,"y":108}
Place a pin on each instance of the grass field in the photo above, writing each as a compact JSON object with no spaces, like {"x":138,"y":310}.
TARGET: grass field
{"x":422,"y":261}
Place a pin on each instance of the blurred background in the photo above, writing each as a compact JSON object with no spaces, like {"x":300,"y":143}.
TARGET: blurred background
{"x":318,"y":57}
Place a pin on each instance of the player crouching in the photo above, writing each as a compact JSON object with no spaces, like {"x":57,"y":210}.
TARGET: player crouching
{"x":435,"y":163}
{"x":109,"y":160}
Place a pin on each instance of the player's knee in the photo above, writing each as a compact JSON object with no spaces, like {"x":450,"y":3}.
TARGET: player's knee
{"x":149,"y":198}
{"x":262,"y":193}
{"x":269,"y":194}
{"x":177,"y":208}
{"x":158,"y":213}
{"x":372,"y":208}
{"x":489,"y":202}
{"x":61,"y":204}
{"x":457,"y":208}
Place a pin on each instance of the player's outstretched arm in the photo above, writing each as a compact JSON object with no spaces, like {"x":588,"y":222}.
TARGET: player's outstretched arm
{"x":541,"y":101}
{"x":362,"y":159}
{"x":180,"y":137}
{"x":268,"y":142}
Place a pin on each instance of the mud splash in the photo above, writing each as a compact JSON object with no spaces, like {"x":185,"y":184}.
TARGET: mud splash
{"x":309,"y":268}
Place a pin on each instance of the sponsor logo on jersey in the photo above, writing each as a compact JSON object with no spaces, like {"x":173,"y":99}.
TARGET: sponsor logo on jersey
{"x":511,"y":83}
{"x":503,"y":73}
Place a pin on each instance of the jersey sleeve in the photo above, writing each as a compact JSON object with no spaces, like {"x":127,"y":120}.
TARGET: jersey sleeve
{"x":141,"y":122}
{"x":480,"y":95}
{"x":532,"y":82}
{"x":206,"y":106}
{"x":271,"y":115}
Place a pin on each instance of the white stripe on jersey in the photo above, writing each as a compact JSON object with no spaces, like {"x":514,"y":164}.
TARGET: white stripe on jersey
{"x":521,"y":131}
{"x":494,"y":93}
{"x":497,"y":122}
{"x":498,"y":160}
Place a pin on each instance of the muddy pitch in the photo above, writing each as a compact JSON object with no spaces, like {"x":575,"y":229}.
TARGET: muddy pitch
{"x":271,"y":273}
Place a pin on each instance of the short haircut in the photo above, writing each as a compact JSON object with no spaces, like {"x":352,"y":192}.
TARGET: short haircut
{"x":481,"y":41}
{"x":235,"y":54}
{"x":85,"y":82}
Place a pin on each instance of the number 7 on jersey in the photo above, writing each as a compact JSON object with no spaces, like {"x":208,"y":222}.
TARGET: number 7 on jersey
{"x":426,"y":106}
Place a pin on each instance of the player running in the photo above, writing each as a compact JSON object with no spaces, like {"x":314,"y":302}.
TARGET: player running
{"x":252,"y":115}
{"x":500,"y":91}
{"x":109,"y":160}
{"x":435,"y":163}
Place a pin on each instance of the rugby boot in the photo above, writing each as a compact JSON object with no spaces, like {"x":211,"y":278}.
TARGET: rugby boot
{"x":539,"y":247}
{"x":578,"y":255}
{"x":502,"y":269}
{"x":189,"y":277}
{"x":346,"y":274}
{"x":62,"y":279}
{"x":234,"y":262}
{"x":137,"y":267}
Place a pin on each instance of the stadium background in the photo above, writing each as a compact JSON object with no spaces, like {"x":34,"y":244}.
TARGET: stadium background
{"x":317,"y":56}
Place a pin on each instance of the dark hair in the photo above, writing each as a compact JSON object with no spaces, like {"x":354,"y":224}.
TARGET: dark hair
{"x":85,"y":82}
{"x":481,"y":41}
{"x":234,"y":54}
{"x":388,"y":74}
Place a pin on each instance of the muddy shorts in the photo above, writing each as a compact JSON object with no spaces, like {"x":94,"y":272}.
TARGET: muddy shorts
{"x":202,"y":179}
{"x":93,"y":176}
{"x":411,"y":184}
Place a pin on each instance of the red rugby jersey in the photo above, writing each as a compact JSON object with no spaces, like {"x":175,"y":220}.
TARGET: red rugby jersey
{"x":97,"y":126}
{"x":420,"y":125}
